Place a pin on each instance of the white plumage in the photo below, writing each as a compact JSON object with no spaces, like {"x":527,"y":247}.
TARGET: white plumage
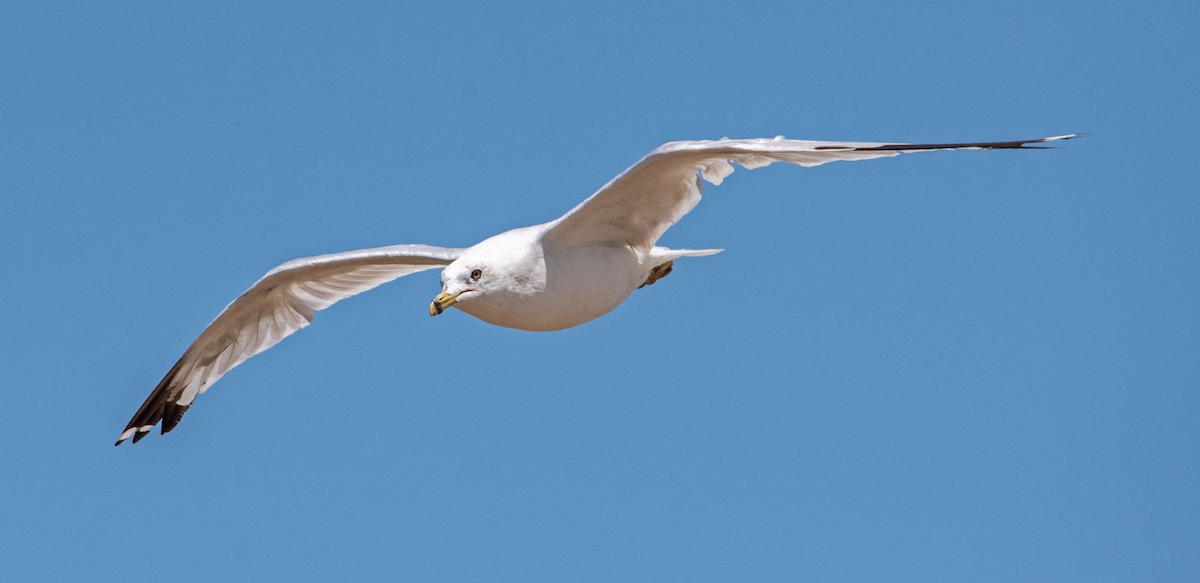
{"x":545,"y":277}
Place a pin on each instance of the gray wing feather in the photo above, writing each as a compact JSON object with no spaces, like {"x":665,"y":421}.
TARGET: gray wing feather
{"x":640,"y":204}
{"x":282,"y":302}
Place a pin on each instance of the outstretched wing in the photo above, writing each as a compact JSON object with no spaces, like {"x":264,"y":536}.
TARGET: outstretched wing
{"x":641,"y":203}
{"x":280,"y":303}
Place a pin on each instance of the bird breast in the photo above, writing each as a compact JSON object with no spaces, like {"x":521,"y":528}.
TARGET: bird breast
{"x":578,"y":284}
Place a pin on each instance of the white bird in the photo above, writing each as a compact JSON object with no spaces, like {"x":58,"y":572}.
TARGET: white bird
{"x":545,"y":277}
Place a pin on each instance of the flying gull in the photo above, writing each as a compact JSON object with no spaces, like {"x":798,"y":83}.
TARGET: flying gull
{"x":546,"y":277}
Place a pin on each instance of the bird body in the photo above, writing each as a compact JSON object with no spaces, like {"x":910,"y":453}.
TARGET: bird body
{"x":545,"y":277}
{"x":532,"y":282}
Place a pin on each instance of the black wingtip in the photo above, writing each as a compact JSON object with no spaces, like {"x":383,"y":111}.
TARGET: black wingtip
{"x":157,"y":407}
{"x":172,"y":415}
{"x":1008,"y":145}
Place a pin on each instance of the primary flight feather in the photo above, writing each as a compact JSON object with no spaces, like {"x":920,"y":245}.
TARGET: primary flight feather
{"x":545,"y":277}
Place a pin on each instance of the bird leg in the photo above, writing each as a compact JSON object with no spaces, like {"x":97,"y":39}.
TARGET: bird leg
{"x":658,"y":273}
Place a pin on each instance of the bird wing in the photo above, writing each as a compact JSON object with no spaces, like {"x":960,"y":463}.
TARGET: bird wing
{"x":641,"y":203}
{"x":282,"y":302}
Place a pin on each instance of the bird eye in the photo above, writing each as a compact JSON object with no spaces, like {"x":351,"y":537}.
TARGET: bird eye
{"x":476,"y":274}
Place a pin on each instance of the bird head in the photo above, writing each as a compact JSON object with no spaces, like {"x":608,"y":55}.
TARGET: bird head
{"x":499,"y":269}
{"x":461,"y":282}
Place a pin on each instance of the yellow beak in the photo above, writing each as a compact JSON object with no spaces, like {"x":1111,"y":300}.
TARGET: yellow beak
{"x":442,"y":302}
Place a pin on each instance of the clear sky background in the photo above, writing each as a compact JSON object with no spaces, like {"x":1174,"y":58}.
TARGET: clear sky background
{"x":967,"y":366}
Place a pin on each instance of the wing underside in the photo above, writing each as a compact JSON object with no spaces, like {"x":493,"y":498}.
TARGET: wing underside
{"x":640,"y":204}
{"x":283,"y":301}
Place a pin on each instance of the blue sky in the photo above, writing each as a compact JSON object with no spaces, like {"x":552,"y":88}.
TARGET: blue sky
{"x":969,"y":366}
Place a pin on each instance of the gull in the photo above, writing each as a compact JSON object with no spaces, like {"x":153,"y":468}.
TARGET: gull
{"x":546,"y":277}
